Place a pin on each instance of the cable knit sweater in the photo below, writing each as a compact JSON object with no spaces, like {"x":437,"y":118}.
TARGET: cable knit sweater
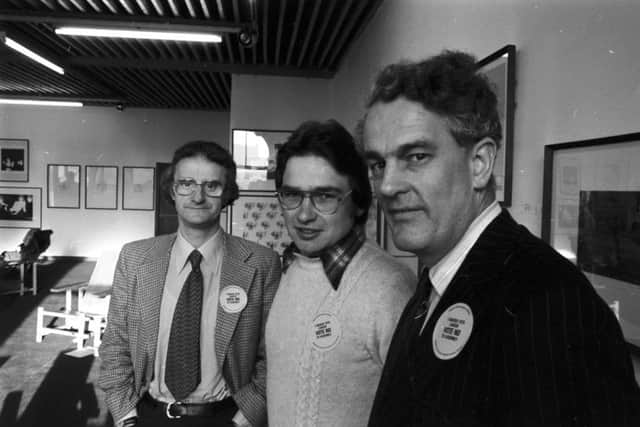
{"x":326,"y":347}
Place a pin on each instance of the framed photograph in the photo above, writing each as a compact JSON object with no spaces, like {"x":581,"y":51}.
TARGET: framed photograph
{"x":257,"y":217}
{"x":14,"y":160}
{"x":500,"y":69}
{"x":254,"y":152}
{"x":20,"y":207}
{"x":591,"y":215}
{"x":138,"y":188}
{"x":63,"y":186}
{"x":101,"y":187}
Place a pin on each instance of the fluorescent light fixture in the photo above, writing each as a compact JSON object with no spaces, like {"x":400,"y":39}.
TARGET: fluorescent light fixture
{"x":140,"y":34}
{"x":42,"y":102}
{"x":31,"y":54}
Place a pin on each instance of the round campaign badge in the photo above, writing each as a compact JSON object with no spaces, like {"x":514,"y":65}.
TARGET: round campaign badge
{"x":452,"y":331}
{"x":233,"y":299}
{"x":325,"y":332}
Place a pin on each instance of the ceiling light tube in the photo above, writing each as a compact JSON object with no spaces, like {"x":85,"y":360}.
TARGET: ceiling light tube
{"x":31,"y":54}
{"x":139,"y":34}
{"x":44,"y":103}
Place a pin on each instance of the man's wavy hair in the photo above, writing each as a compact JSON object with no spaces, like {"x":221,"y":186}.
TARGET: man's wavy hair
{"x":207,"y":150}
{"x":450,"y":86}
{"x":332,"y":142}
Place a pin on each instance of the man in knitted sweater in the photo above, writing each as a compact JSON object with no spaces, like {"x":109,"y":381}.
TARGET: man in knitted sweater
{"x":340,"y":297}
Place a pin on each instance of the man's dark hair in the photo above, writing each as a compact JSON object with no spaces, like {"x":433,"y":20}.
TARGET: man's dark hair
{"x":332,"y":142}
{"x":450,"y":86}
{"x":209,"y":151}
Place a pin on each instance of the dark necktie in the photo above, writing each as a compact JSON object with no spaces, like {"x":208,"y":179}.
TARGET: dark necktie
{"x":182,"y":368}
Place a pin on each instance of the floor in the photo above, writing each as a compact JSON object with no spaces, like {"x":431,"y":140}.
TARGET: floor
{"x":49,"y":384}
{"x":46,"y":384}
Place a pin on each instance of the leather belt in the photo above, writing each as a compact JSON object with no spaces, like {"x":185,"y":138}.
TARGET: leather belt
{"x":181,"y":409}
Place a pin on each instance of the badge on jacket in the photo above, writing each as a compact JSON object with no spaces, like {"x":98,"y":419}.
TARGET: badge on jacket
{"x":233,"y":299}
{"x":452,"y":331}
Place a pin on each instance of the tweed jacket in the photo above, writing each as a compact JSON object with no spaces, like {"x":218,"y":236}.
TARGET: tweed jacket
{"x":128,"y":348}
{"x":544,"y":349}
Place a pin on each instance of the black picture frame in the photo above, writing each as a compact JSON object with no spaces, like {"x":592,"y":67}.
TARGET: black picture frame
{"x":14,"y":159}
{"x":101,"y":187}
{"x":63,"y":186}
{"x":254,"y":151}
{"x":591,"y":215}
{"x":138,"y":188}
{"x":20,"y":207}
{"x":500,"y":69}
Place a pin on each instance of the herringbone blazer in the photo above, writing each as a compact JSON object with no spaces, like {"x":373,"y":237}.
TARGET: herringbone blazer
{"x":128,"y":348}
{"x":545,"y":349}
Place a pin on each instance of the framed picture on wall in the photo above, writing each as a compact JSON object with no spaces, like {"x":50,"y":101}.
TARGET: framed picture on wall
{"x":591,"y":216}
{"x":500,"y":69}
{"x":20,"y":207}
{"x":14,"y":160}
{"x":101,"y":187}
{"x":138,"y":188}
{"x":254,"y":152}
{"x":257,"y":217}
{"x":63,"y":186}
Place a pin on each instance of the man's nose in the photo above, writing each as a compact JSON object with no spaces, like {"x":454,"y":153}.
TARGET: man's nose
{"x":198,"y":194}
{"x":306,"y":211}
{"x":391,"y":182}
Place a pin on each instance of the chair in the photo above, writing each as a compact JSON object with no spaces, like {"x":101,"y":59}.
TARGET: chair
{"x":34,"y":243}
{"x":86,"y":322}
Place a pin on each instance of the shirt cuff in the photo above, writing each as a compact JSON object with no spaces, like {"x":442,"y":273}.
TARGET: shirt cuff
{"x":131,"y":413}
{"x":240,"y":420}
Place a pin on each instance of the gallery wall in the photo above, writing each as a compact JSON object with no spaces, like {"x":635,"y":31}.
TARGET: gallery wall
{"x":578,"y":66}
{"x":98,"y":136}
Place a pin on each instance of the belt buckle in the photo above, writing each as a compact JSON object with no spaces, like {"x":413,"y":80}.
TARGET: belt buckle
{"x":168,"y":410}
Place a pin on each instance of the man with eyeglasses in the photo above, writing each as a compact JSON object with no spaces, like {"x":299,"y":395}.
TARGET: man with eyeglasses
{"x":340,"y":295}
{"x":184,"y":343}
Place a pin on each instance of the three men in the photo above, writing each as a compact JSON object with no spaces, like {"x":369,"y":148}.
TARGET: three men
{"x":340,"y":297}
{"x":502,"y":330}
{"x":184,"y":344}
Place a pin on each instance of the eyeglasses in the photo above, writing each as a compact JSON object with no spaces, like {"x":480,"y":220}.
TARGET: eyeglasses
{"x":186,"y":187}
{"x":323,"y":202}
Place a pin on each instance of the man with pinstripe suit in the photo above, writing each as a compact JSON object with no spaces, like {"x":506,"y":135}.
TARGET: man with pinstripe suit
{"x":502,"y":330}
{"x":184,"y":343}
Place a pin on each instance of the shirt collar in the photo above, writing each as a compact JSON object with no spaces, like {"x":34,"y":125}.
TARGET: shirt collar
{"x":442,"y":273}
{"x":335,"y":259}
{"x":210,"y":250}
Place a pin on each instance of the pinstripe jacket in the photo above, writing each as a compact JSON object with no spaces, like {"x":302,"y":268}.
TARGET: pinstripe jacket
{"x":544,"y":350}
{"x":129,"y":344}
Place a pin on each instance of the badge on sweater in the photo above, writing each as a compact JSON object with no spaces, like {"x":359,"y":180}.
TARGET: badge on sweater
{"x":325,"y":332}
{"x":233,"y":299}
{"x":452,"y":331}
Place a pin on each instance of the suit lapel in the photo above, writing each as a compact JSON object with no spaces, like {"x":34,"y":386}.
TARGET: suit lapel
{"x":151,"y":275}
{"x":236,"y":272}
{"x":477,"y":284}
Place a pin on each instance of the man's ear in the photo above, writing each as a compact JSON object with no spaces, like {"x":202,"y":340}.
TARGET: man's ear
{"x":483,"y":161}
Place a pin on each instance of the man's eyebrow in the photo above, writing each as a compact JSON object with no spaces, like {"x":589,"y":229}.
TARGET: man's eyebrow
{"x":321,"y":189}
{"x":400,"y":150}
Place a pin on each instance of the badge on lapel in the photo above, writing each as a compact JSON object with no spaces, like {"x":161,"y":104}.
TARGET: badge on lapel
{"x":325,"y":331}
{"x":452,"y":331}
{"x":233,"y":299}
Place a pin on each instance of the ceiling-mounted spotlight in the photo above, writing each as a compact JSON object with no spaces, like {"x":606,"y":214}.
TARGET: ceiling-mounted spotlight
{"x":120,"y":106}
{"x":248,"y":36}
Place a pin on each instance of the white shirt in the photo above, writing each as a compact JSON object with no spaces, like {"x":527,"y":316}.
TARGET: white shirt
{"x":443,"y":272}
{"x":212,"y":386}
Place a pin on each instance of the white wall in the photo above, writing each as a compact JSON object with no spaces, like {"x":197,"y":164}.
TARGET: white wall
{"x":578,"y":69}
{"x":277,"y":103}
{"x":99,"y":136}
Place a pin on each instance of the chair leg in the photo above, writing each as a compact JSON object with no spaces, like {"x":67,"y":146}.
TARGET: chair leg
{"x":80,"y":327}
{"x":39,"y":324}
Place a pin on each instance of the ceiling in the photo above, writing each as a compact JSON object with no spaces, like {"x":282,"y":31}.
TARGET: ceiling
{"x":294,"y":38}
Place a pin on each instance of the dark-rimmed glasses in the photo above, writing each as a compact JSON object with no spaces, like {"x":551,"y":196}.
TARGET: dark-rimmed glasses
{"x":186,"y":187}
{"x":322,"y":201}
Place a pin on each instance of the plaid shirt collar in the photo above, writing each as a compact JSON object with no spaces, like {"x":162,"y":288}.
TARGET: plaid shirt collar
{"x":335,"y":259}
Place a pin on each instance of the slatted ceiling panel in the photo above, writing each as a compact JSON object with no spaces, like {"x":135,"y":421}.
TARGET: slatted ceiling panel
{"x":304,"y":38}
